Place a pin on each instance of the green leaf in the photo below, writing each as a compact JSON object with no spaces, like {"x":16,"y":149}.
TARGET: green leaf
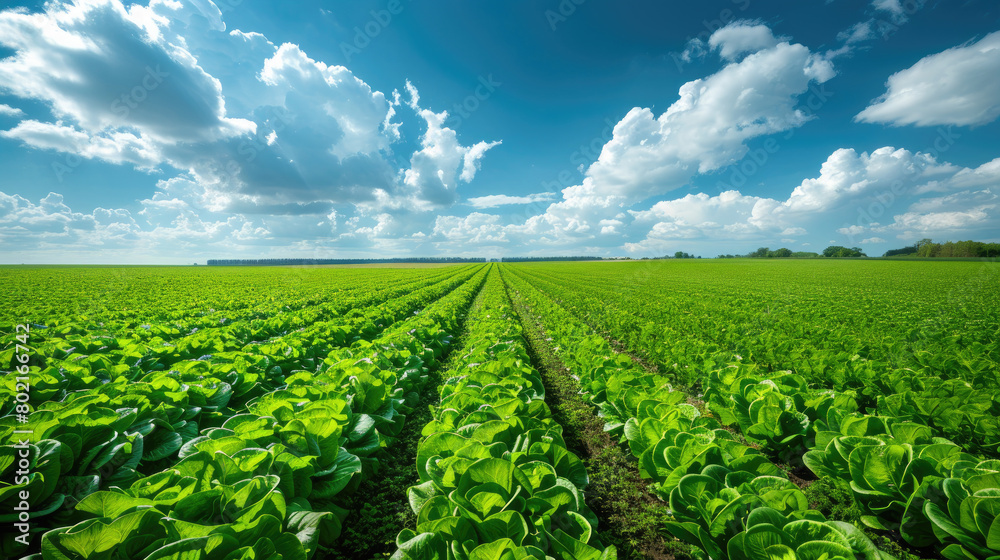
{"x":111,"y":504}
{"x":504,"y":525}
{"x":314,"y":528}
{"x":944,"y":527}
{"x":91,"y":538}
{"x":492,"y":550}
{"x":346,"y":467}
{"x":420,"y":494}
{"x":822,"y":550}
{"x":423,"y":546}
{"x":758,"y":538}
{"x":196,"y":549}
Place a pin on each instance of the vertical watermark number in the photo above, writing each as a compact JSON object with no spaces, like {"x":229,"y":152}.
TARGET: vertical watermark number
{"x":22,"y":411}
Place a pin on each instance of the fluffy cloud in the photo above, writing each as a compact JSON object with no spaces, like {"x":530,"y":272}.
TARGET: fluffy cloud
{"x":476,"y":229}
{"x":114,"y":147}
{"x":708,"y":126}
{"x":495,"y":200}
{"x":866,"y":198}
{"x":442,"y":161}
{"x":852,"y":193}
{"x":170,"y":228}
{"x":245,"y":126}
{"x":70,"y":57}
{"x":959,"y":86}
{"x":8,"y":111}
{"x":335,"y":97}
{"x":847,"y":175}
{"x":969,"y":212}
{"x":704,"y":130}
{"x":22,"y":221}
{"x":741,"y":38}
{"x":894,"y":9}
{"x":913,"y":224}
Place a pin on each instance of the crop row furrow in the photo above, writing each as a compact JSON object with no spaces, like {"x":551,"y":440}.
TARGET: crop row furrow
{"x":727,"y":498}
{"x":261,"y":479}
{"x":496,"y":478}
{"x":964,"y":412}
{"x":72,"y":350}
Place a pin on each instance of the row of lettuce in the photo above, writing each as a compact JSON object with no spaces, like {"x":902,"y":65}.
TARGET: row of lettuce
{"x":729,"y":498}
{"x":496,"y":478}
{"x":236,"y":455}
{"x":170,"y":302}
{"x":914,"y":344}
{"x":74,"y":355}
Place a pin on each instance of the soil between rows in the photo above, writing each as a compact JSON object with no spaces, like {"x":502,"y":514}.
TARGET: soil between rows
{"x":379,"y":509}
{"x":631,"y":517}
{"x":830,"y":497}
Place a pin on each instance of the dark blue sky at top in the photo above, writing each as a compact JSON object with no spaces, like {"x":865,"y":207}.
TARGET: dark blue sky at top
{"x":560,"y":88}
{"x":562,"y":75}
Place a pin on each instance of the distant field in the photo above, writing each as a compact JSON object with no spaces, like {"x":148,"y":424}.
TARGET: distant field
{"x":360,"y":410}
{"x":380,"y":265}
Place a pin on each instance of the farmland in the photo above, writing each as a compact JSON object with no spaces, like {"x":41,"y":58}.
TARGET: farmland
{"x":725,"y":409}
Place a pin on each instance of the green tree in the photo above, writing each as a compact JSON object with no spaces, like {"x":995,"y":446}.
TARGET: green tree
{"x":832,"y":251}
{"x":841,"y":252}
{"x":926,"y":248}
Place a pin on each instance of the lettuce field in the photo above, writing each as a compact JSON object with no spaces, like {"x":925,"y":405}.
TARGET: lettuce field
{"x":723,"y":409}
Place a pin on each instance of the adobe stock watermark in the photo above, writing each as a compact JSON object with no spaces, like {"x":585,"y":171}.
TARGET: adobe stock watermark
{"x":944,"y":139}
{"x":562,"y":13}
{"x":887,"y":29}
{"x":725,"y":17}
{"x":132,"y":99}
{"x":68,"y":165}
{"x":756,"y":159}
{"x":249,"y":148}
{"x":364,"y":34}
{"x":121,"y":106}
{"x":486,"y":86}
{"x":226,"y":6}
{"x":580,"y":158}
{"x":583,"y":156}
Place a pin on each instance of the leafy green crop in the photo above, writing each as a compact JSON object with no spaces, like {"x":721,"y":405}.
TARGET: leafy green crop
{"x":884,"y":435}
{"x":496,"y":479}
{"x":237,"y":454}
{"x":226,"y":414}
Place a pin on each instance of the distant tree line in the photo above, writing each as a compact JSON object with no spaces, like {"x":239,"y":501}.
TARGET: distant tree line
{"x":784,"y":253}
{"x":545,"y":259}
{"x":922,"y":248}
{"x":927,"y":248}
{"x":841,"y":252}
{"x":288,"y":262}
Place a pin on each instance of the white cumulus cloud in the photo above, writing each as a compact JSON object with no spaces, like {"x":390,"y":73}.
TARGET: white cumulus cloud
{"x":917,"y":195}
{"x":237,"y":124}
{"x":436,"y":169}
{"x":740,"y":38}
{"x":705,"y":129}
{"x":495,"y":200}
{"x":959,"y":86}
{"x":894,"y":9}
{"x":8,"y":111}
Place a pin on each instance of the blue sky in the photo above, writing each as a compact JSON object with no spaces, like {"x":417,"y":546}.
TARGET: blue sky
{"x":177,"y":131}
